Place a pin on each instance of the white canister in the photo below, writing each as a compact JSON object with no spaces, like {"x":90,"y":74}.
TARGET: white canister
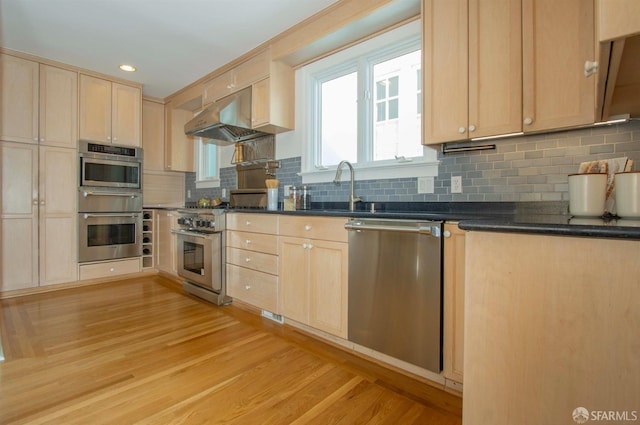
{"x":272,"y":199}
{"x":587,"y":194}
{"x":628,"y":194}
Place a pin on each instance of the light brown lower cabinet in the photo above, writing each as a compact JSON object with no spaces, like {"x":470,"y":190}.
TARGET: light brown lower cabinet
{"x":110,"y":268}
{"x":551,"y":325}
{"x":453,"y":317}
{"x":165,"y":241}
{"x":314,"y":272}
{"x":252,"y":259}
{"x":39,"y":187}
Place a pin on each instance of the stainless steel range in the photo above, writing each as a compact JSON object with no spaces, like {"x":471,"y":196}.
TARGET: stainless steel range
{"x":201,"y":253}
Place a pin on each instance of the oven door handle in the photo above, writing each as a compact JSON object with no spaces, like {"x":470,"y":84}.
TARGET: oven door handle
{"x":188,"y":233}
{"x":133,"y":215}
{"x":86,"y":193}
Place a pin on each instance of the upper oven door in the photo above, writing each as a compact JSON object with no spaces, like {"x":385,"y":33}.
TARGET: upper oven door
{"x":110,"y":173}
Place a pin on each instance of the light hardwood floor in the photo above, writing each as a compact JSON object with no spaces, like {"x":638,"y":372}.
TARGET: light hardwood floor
{"x":140,"y":351}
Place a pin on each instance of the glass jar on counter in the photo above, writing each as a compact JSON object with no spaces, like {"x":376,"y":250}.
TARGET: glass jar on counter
{"x":294,"y":195}
{"x":305,"y":198}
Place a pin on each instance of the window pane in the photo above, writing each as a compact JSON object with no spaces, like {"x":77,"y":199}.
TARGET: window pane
{"x":381,"y":92}
{"x":208,"y":162}
{"x":393,"y":109}
{"x":393,"y":86}
{"x":382,"y":111}
{"x":398,"y":134}
{"x":339,"y":120}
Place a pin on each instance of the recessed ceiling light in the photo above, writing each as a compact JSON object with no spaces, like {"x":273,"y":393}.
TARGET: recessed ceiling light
{"x":127,"y":68}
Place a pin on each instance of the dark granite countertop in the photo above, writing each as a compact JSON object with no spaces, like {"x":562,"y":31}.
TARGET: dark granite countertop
{"x":550,"y":218}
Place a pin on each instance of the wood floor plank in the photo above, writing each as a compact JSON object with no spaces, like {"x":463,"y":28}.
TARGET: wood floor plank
{"x":141,"y":351}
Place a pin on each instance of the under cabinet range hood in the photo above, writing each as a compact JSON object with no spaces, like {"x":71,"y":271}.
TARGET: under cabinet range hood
{"x":226,"y":121}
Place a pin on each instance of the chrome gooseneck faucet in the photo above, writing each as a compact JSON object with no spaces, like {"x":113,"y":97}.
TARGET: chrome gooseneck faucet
{"x":336,"y":180}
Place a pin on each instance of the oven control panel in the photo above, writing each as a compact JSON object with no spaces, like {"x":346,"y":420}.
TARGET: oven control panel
{"x":199,"y":221}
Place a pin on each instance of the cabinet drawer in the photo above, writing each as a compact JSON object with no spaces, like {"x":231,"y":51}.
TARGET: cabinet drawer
{"x":110,"y":268}
{"x":330,"y":229}
{"x":255,"y":288}
{"x":259,"y":223}
{"x":253,"y":241}
{"x":266,"y":263}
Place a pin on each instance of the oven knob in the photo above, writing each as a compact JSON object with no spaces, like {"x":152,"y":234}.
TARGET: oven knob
{"x":181,"y":220}
{"x":212,"y":224}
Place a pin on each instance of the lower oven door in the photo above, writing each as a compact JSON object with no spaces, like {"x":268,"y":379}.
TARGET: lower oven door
{"x":108,"y":236}
{"x":200,"y":258}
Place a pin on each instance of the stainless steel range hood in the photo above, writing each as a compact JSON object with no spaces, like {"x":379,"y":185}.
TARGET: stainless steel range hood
{"x":226,"y":121}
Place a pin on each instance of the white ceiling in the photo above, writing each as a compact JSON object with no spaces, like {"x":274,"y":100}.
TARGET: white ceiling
{"x":171,"y":42}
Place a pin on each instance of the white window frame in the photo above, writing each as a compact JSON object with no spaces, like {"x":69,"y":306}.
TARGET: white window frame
{"x":398,"y":41}
{"x":204,"y":182}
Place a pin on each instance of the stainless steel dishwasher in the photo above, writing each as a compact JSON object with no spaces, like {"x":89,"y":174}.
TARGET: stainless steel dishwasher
{"x":395,"y":289}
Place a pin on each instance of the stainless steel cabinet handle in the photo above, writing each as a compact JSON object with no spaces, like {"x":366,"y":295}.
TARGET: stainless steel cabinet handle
{"x":108,"y":215}
{"x":425,"y":230}
{"x":125,"y":194}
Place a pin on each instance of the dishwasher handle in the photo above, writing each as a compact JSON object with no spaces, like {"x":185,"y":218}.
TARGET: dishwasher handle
{"x":427,"y":229}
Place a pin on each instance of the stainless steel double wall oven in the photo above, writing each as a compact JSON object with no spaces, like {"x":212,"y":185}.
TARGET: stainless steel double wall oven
{"x":109,"y":202}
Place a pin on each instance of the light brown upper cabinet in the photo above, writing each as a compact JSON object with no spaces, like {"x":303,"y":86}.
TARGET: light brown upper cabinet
{"x":153,"y":135}
{"x":19,"y":99}
{"x":39,"y":103}
{"x":472,"y":69}
{"x":618,"y":19}
{"x":558,"y":38}
{"x":272,"y":99}
{"x":58,"y":107}
{"x":618,"y":89}
{"x":110,"y":112}
{"x":505,"y":66}
{"x":248,"y":72}
{"x":179,"y":148}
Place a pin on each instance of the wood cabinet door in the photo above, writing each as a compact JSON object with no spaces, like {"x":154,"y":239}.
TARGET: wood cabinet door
{"x":58,"y":215}
{"x":217,"y":88}
{"x":95,"y":109}
{"x":260,"y":103}
{"x":328,"y":292}
{"x":18,"y":99}
{"x":558,"y":37}
{"x":153,"y":135}
{"x":179,"y":149}
{"x":58,"y":107}
{"x":445,"y":70}
{"x":294,"y":279}
{"x":126,"y":113}
{"x":19,"y":226}
{"x":166,"y":241}
{"x":495,"y":67}
{"x":252,"y":70}
{"x":453,"y":315}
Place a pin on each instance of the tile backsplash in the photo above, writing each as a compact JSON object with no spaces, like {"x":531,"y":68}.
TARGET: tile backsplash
{"x":525,"y":168}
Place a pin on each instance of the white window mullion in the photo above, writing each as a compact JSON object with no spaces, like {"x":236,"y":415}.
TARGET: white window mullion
{"x":364,"y":111}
